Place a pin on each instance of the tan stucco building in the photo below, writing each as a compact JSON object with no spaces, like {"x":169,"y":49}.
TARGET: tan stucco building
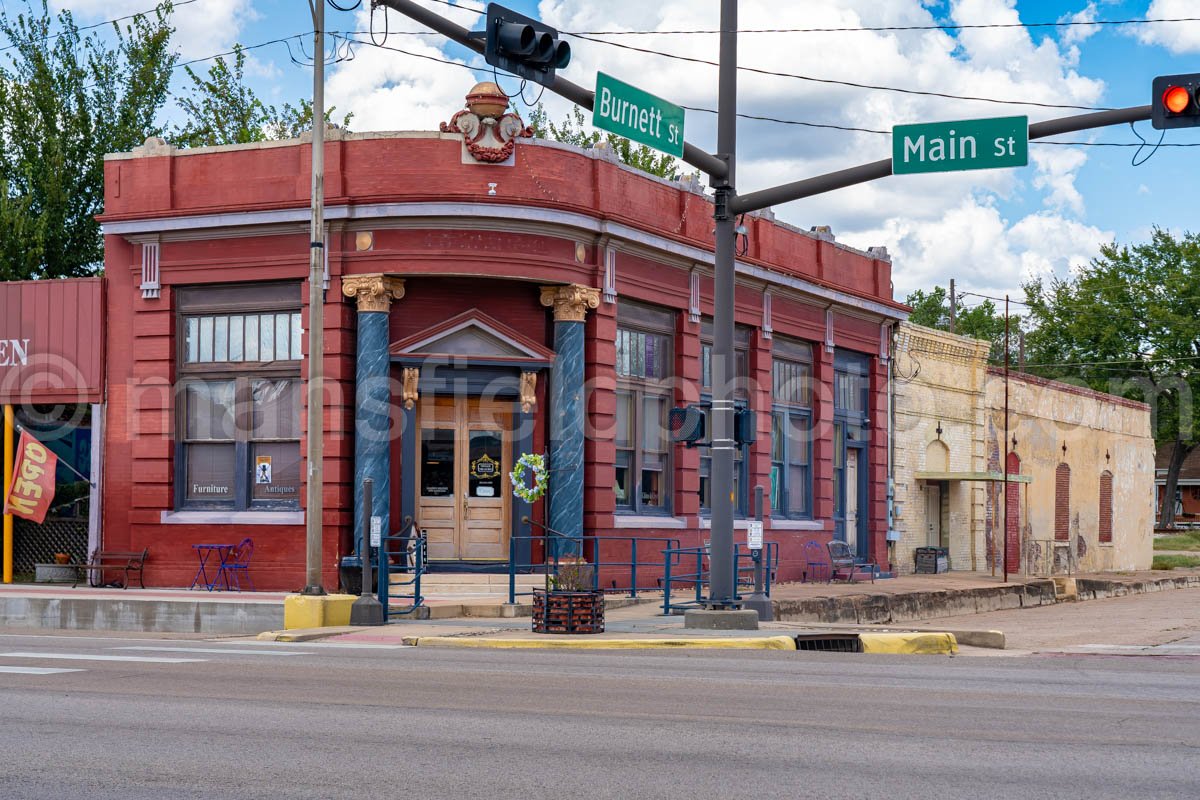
{"x":1080,"y":489}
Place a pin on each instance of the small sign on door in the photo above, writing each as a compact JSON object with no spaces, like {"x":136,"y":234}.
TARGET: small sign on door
{"x":262,"y":469}
{"x":376,"y":530}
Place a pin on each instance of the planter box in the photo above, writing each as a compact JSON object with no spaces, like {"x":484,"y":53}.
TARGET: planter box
{"x":568,"y":612}
{"x":55,"y":573}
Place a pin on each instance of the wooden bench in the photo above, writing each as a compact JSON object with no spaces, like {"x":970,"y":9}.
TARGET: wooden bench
{"x":129,"y":563}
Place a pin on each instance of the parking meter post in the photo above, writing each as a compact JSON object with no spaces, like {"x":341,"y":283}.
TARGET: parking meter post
{"x":367,"y":610}
{"x":759,"y":601}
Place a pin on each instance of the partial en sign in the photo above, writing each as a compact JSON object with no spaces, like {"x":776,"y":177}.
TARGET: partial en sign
{"x":376,"y":530}
{"x":961,"y":145}
{"x":637,"y":115}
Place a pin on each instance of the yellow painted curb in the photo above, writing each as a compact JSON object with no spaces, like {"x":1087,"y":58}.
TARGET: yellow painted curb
{"x":909,"y":643}
{"x":743,"y":643}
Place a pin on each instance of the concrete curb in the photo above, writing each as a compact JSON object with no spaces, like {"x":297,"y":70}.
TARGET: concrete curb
{"x":731,"y":643}
{"x":884,"y":609}
{"x":929,"y":643}
{"x":306,"y":634}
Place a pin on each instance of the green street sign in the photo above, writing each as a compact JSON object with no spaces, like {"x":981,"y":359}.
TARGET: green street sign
{"x":961,"y":145}
{"x":639,"y":116}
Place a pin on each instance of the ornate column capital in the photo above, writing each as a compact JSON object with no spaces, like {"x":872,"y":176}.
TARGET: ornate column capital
{"x":570,"y":302}
{"x":374,"y":292}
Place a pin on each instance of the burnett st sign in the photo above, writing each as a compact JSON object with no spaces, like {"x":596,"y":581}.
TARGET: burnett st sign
{"x":639,"y":116}
{"x":961,"y":145}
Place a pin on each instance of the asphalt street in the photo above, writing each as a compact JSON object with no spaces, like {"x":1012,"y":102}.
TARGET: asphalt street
{"x":151,"y":717}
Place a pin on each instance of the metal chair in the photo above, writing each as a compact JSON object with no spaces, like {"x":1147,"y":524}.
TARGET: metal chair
{"x":841,"y":557}
{"x":816,"y":562}
{"x":238,"y":564}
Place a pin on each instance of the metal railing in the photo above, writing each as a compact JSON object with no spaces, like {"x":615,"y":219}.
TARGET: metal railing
{"x":744,"y":566}
{"x":558,"y":546}
{"x":412,"y":563}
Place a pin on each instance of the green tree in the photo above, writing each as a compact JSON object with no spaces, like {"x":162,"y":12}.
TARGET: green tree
{"x":1129,"y":324}
{"x":222,"y":109}
{"x":575,"y":130}
{"x":65,"y":101}
{"x":984,"y":321}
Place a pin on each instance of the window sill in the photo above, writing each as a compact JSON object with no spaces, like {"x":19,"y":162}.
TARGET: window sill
{"x":232,"y":518}
{"x":647,"y":521}
{"x":738,"y":524}
{"x":797,"y":525}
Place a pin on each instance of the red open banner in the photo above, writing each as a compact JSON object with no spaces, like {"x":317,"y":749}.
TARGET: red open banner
{"x":32,"y":488}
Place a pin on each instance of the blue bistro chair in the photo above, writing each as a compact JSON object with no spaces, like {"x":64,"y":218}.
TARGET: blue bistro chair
{"x":816,"y":562}
{"x":237,"y":566}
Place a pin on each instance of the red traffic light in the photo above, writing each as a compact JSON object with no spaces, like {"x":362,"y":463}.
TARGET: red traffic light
{"x":1176,"y":99}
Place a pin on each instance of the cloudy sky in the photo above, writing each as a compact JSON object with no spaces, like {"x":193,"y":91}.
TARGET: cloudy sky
{"x":990,"y":230}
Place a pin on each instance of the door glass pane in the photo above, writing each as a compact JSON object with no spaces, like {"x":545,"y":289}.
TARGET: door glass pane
{"x":777,"y":436}
{"x":437,"y":462}
{"x":484,"y":471}
{"x":276,"y":471}
{"x":210,"y":473}
{"x":798,"y":490}
{"x":798,"y":439}
{"x":209,"y":410}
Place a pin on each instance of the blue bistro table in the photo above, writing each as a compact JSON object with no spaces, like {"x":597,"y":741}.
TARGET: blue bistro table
{"x":205,"y":552}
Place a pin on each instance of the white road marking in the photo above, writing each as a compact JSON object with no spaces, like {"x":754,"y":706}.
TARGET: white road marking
{"x":91,"y":657}
{"x":36,"y":670}
{"x":215,"y":650}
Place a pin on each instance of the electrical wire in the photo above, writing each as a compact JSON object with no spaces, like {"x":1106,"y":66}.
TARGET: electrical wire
{"x":893,"y":28}
{"x":851,"y":84}
{"x":336,"y":7}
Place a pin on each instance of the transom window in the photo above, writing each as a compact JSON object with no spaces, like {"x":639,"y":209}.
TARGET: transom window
{"x":643,"y":458}
{"x":239,"y":398}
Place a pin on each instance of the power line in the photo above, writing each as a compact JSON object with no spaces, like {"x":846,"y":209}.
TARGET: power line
{"x":890,"y":28}
{"x":47,"y":38}
{"x":851,"y":84}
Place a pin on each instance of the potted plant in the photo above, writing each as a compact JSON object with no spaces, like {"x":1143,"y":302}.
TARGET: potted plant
{"x":62,"y":558}
{"x":569,"y":603}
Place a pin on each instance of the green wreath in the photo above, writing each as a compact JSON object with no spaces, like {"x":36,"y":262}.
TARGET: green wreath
{"x":535,"y":463}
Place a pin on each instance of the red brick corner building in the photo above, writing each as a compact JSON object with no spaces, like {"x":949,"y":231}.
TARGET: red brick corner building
{"x":471,"y":272}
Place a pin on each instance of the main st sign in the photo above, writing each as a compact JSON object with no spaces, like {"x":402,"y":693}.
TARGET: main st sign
{"x":960,"y":145}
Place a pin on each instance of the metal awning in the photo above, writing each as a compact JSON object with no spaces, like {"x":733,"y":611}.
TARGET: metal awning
{"x":996,"y":476}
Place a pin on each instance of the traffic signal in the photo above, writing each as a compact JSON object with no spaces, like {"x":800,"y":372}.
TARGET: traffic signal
{"x":523,"y":46}
{"x":745,"y":426}
{"x":687,"y":424}
{"x":1176,"y":101}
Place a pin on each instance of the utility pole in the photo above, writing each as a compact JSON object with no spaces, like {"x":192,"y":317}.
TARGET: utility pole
{"x":314,"y":505}
{"x":722,"y":586}
{"x":953,"y":305}
{"x":1004,"y":466}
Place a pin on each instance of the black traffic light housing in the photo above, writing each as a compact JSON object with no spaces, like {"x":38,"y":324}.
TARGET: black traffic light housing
{"x":745,"y":426}
{"x":1175,"y":101}
{"x":523,"y":46}
{"x":687,"y":424}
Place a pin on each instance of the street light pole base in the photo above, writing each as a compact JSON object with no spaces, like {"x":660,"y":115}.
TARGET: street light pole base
{"x":761,"y":604}
{"x":313,"y":591}
{"x":366,"y":610}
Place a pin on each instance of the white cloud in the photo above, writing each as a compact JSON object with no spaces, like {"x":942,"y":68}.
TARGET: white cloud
{"x":1177,"y":37}
{"x":937,"y":226}
{"x":201,"y":29}
{"x":1078,"y":34}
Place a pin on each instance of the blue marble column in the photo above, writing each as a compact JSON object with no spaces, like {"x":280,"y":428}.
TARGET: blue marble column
{"x":567,"y":410}
{"x":372,"y":396}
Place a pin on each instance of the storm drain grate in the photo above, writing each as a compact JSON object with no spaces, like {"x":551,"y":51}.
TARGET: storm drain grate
{"x":829,"y":642}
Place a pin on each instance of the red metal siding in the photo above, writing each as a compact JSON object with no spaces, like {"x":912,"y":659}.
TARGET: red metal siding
{"x":51,"y":341}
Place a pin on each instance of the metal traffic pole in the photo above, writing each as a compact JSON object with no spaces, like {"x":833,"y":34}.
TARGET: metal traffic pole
{"x":367,"y":610}
{"x":758,"y":601}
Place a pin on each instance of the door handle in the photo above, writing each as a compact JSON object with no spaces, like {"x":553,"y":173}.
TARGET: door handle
{"x":465,"y":504}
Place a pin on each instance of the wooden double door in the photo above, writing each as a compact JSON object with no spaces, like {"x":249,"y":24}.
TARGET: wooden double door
{"x":463,"y":459}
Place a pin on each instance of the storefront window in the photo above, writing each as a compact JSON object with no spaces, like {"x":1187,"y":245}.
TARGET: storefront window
{"x":643,"y":459}
{"x":791,"y":430}
{"x":240,"y":393}
{"x":741,"y":394}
